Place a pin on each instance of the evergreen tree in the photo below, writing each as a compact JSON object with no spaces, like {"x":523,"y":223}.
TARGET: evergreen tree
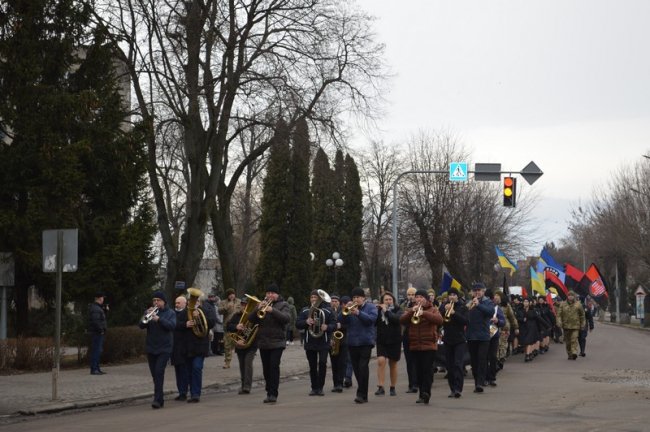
{"x":297,"y":281}
{"x":276,"y":203}
{"x":351,"y":234}
{"x":325,"y":217}
{"x":66,"y":160}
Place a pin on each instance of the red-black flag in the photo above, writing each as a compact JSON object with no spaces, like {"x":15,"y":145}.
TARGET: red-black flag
{"x":594,"y":283}
{"x":553,"y":281}
{"x":573,"y":278}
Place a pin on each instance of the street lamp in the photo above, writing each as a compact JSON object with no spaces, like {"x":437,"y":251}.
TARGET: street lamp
{"x":334,"y":262}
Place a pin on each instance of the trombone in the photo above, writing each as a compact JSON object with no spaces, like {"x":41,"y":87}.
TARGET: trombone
{"x":347,"y":310}
{"x":417,"y":312}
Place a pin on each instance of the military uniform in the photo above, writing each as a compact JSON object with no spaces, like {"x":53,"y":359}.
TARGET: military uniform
{"x":571,"y":318}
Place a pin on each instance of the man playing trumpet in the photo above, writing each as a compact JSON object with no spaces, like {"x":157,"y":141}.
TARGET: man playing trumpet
{"x":423,"y":340}
{"x":455,"y":320}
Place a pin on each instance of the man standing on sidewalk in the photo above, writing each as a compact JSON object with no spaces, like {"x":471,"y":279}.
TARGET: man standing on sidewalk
{"x":97,"y":330}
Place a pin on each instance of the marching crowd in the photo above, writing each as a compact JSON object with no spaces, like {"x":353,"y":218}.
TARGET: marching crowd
{"x":443,"y":334}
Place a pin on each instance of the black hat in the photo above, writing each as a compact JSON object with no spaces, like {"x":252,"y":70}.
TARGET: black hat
{"x":314,"y":292}
{"x":357,"y":292}
{"x":335,"y":297}
{"x":453,"y":291}
{"x":478,"y":286}
{"x":99,"y":294}
{"x":273,"y":288}
{"x":422,"y":292}
{"x":160,"y":295}
{"x":345,"y":299}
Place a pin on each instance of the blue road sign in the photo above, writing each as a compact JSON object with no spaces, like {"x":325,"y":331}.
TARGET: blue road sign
{"x":458,"y":171}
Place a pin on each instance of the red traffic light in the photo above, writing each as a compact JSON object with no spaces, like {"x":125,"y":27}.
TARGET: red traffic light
{"x":509,"y":191}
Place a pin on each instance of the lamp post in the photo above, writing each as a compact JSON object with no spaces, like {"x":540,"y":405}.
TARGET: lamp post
{"x":334,"y":262}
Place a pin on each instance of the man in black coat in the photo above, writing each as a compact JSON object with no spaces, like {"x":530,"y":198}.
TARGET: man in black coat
{"x":97,"y":330}
{"x":319,"y":325}
{"x":198,"y":346}
{"x":454,"y":322}
{"x":179,"y":352}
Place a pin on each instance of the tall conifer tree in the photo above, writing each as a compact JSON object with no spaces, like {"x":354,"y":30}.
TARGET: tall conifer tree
{"x":352,"y":228}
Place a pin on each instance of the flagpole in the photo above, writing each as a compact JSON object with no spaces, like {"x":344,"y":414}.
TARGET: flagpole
{"x":618,"y":303}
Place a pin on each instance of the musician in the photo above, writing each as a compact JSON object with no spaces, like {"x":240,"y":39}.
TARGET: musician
{"x":423,"y":341}
{"x":198,"y":347}
{"x":245,"y":355}
{"x":271,"y":337}
{"x":410,"y":363}
{"x":160,"y":339}
{"x":455,"y":313}
{"x":498,"y":319}
{"x":360,"y":322}
{"x":179,"y":350}
{"x":228,"y":307}
{"x":339,"y":360}
{"x":347,"y":379}
{"x":389,"y":342}
{"x":319,"y":327}
{"x":97,"y":330}
{"x":481,"y":311}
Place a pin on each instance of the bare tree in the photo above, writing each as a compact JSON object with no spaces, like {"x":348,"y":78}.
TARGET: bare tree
{"x":380,"y":166}
{"x":215,"y":69}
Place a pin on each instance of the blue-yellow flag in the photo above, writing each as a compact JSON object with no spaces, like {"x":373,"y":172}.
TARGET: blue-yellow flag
{"x":504,"y":262}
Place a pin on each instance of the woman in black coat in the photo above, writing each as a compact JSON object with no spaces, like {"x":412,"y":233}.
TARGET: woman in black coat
{"x":528,"y":329}
{"x":389,"y":341}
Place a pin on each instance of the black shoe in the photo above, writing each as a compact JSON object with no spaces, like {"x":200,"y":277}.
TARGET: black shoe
{"x":156,"y":405}
{"x":96,"y":373}
{"x":478,"y":389}
{"x":420,"y":400}
{"x":193,"y":400}
{"x":457,"y":395}
{"x":582,"y":354}
{"x":380,"y":391}
{"x":426,"y":397}
{"x":574,"y":356}
{"x":337,"y":390}
{"x":180,"y":398}
{"x":319,"y":392}
{"x":242,"y":391}
{"x":452,"y":395}
{"x":313,"y":392}
{"x":393,"y":392}
{"x":347,"y":384}
{"x":270,"y":399}
{"x":492,"y":383}
{"x":360,"y":400}
{"x":412,"y":390}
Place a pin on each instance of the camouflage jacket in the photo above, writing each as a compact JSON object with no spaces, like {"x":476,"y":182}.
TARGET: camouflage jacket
{"x":571,"y":316}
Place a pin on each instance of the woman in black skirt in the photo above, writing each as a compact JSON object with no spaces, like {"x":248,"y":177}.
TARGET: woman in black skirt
{"x":389,"y":341}
{"x":528,"y":329}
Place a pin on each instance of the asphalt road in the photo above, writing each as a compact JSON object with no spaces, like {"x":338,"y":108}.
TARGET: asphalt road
{"x":609,"y":390}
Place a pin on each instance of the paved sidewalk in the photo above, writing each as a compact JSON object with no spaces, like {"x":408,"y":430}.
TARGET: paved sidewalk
{"x":31,"y":393}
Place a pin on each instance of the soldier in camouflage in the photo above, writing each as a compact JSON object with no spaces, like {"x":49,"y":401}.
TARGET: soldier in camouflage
{"x":571,"y":318}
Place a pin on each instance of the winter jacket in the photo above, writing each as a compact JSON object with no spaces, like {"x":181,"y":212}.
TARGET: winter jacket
{"x":478,"y":327}
{"x":181,"y":334}
{"x":160,"y":334}
{"x":423,"y":336}
{"x":454,"y":333}
{"x":361,"y":330}
{"x":272,"y":331}
{"x":571,"y":316}
{"x":389,"y":330}
{"x":96,"y":319}
{"x":319,"y":343}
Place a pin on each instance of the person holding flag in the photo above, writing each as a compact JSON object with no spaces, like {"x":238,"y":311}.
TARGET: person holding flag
{"x":571,"y":318}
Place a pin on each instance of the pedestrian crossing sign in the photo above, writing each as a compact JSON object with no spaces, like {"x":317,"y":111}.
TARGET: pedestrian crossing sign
{"x":458,"y":171}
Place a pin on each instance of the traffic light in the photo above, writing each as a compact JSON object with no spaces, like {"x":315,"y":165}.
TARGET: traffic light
{"x":509,"y":191}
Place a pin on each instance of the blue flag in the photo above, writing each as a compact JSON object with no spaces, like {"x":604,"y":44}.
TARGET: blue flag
{"x":550,"y":262}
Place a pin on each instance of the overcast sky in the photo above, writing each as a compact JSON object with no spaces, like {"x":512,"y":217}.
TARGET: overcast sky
{"x":564,"y":83}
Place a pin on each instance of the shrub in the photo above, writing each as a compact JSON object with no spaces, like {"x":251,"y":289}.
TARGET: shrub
{"x":36,"y":353}
{"x":123,"y":343}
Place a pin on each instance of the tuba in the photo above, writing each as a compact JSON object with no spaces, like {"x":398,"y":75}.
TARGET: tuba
{"x":200,"y":328}
{"x":244,"y":338}
{"x":318,"y":315}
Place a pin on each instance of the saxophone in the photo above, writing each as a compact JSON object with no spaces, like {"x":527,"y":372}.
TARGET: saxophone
{"x":337,"y":337}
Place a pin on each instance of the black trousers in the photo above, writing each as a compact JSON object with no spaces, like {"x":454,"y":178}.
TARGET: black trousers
{"x":424,"y":367}
{"x":339,"y":363}
{"x":478,"y":351}
{"x":410,"y":366}
{"x":360,"y":358}
{"x":455,"y":358}
{"x":582,"y":340}
{"x":317,"y":367}
{"x":492,"y":358}
{"x":271,"y":369}
{"x":157,"y":365}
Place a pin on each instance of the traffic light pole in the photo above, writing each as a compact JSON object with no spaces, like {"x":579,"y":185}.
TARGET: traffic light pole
{"x":530,"y":173}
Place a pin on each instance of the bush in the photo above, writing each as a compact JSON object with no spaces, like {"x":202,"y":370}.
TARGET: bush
{"x":123,"y":343}
{"x":27,"y":354}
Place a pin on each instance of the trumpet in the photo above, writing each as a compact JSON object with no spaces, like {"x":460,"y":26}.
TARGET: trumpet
{"x":264,"y":305}
{"x":347,"y":310}
{"x":448,"y":313}
{"x":415,"y":319}
{"x":149,"y":316}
